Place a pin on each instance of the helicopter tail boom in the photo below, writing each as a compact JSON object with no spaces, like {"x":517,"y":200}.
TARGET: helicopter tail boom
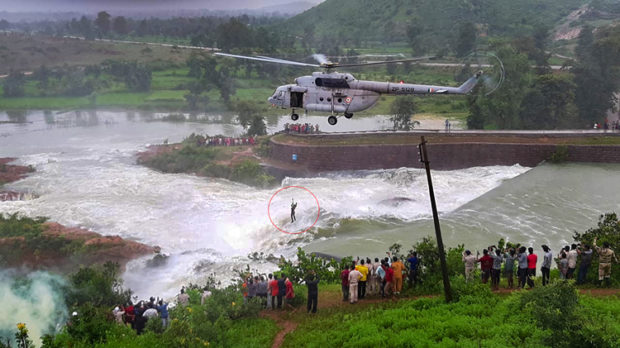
{"x":408,"y":88}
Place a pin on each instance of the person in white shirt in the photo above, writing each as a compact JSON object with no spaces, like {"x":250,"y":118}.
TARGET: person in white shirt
{"x":572,"y":261}
{"x":545,"y":269}
{"x":470,"y":265}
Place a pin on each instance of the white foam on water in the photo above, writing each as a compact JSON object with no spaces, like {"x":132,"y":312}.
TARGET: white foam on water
{"x":87,"y":177}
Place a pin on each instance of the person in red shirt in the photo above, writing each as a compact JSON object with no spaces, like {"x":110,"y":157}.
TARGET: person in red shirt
{"x":290,"y":293}
{"x":531,"y":264}
{"x":486,"y":263}
{"x":129,"y":314}
{"x":389,"y":281}
{"x":273,"y":291}
{"x":344,"y":281}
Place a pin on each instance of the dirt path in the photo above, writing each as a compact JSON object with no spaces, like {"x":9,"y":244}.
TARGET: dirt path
{"x":289,"y":320}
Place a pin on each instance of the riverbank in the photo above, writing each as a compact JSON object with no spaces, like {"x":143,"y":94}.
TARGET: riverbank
{"x":446,"y":151}
{"x":237,"y":163}
{"x":10,"y":173}
{"x":35,"y":244}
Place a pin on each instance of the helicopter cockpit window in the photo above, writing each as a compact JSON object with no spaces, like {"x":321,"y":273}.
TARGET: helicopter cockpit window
{"x":280,"y":94}
{"x":331,"y":83}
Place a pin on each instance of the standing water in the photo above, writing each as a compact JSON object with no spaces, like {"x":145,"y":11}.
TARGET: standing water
{"x":86,"y":176}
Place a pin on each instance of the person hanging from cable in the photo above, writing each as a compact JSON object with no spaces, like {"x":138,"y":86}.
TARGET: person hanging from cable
{"x":293,"y":206}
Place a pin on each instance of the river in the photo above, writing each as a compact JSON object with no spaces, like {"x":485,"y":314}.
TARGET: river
{"x":86,"y":176}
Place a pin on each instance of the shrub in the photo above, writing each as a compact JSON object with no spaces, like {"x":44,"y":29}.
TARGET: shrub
{"x":560,"y":154}
{"x":607,"y":230}
{"x":99,"y":286}
{"x":327,"y":270}
{"x":553,"y":307}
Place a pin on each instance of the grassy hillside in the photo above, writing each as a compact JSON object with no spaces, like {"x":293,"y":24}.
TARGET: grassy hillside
{"x":387,"y":20}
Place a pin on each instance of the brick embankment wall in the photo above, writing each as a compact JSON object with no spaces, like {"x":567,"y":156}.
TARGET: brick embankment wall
{"x":320,"y":158}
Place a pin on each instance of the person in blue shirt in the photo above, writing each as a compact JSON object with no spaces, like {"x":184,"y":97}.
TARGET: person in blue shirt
{"x":162,"y":308}
{"x":413,"y":269}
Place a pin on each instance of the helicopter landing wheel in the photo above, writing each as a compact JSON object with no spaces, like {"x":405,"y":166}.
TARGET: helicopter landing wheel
{"x":294,"y":117}
{"x":332,"y":120}
{"x":348,"y":115}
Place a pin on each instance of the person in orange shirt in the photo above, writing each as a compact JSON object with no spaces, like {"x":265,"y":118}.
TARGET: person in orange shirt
{"x":361,"y":290}
{"x":398,"y":268}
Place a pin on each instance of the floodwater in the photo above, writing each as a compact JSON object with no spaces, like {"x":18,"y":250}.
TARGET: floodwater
{"x":86,"y":176}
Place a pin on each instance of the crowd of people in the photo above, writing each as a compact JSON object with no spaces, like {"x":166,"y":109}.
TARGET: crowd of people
{"x":139,"y":314}
{"x":382,"y":277}
{"x":385,"y":277}
{"x":305,"y":128}
{"x":526,"y":259}
{"x":224,"y":141}
{"x":277,"y":292}
{"x":614,"y":125}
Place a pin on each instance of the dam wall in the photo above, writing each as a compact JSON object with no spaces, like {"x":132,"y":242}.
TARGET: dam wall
{"x":313,"y":158}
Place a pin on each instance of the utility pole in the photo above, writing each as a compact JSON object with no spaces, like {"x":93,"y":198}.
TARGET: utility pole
{"x":442,"y":254}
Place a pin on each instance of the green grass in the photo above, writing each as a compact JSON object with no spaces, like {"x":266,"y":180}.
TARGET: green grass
{"x":166,"y":95}
{"x":43,"y":103}
{"x":169,"y":79}
{"x":478,"y":319}
{"x":122,"y":99}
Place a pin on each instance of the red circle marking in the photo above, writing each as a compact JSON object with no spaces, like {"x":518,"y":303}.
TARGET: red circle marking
{"x":318,"y":213}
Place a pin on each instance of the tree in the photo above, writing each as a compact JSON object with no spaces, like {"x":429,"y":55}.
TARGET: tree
{"x":233,"y":34}
{"x":248,"y":115}
{"x":414,"y":34}
{"x":194,"y":65}
{"x":597,"y":73}
{"x":42,"y":75}
{"x":85,"y":28}
{"x":402,"y":109}
{"x":14,"y":84}
{"x":550,"y":103}
{"x":257,"y":126}
{"x":120,"y":25}
{"x":467,"y":39}
{"x":103,"y":23}
{"x":4,"y":24}
{"x":245,"y":112}
{"x":607,"y":230}
{"x":500,"y":110}
{"x":584,"y":44}
{"x":138,"y":77}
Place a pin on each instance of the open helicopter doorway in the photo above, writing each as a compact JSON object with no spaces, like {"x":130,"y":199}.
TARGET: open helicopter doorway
{"x":297,"y":99}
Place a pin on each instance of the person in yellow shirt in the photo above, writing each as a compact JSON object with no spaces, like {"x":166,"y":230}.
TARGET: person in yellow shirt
{"x":398,"y":268}
{"x":361,"y":289}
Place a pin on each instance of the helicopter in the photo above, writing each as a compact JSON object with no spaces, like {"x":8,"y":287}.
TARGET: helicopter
{"x":341,"y":93}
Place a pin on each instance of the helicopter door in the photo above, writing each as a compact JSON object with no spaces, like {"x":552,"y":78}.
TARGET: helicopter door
{"x":297,"y":99}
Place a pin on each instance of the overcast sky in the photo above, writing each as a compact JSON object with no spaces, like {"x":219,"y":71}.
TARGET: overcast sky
{"x":110,"y":5}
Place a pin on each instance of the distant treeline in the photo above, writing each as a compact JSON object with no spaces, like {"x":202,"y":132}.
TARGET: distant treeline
{"x":538,"y":98}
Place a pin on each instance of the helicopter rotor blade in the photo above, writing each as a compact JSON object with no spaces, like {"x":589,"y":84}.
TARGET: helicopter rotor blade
{"x":321,"y":59}
{"x":387,"y":62}
{"x":267,"y":59}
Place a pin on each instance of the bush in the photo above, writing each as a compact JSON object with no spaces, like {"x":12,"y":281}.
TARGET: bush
{"x":251,"y":173}
{"x":216,"y":170}
{"x":327,"y":270}
{"x":560,"y":154}
{"x":552,"y":306}
{"x":607,"y":230}
{"x":97,"y":286}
